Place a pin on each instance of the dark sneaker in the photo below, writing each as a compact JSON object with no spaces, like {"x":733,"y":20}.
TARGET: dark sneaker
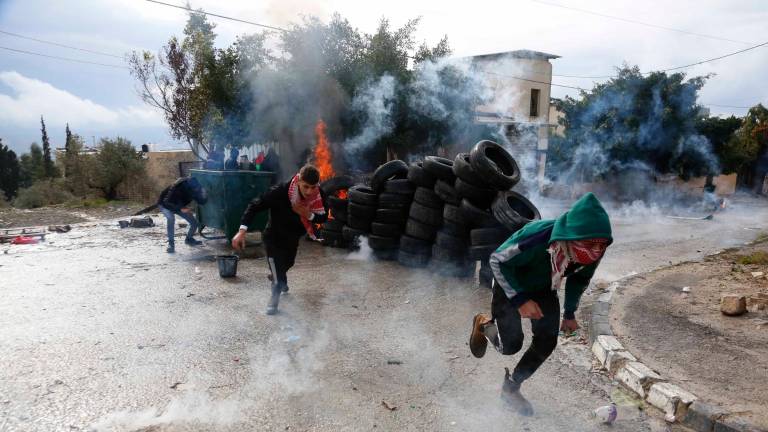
{"x":285,"y":288}
{"x":510,"y":393}
{"x":477,"y":340}
{"x":193,"y":242}
{"x":171,"y":248}
{"x":274,"y":300}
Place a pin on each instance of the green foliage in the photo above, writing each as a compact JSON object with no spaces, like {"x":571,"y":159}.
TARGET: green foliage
{"x":9,"y":172}
{"x":757,"y":257}
{"x":31,"y":165}
{"x":49,"y":169}
{"x":719,"y":132}
{"x":117,"y":160}
{"x":79,"y":168}
{"x":43,"y":193}
{"x":750,"y":142}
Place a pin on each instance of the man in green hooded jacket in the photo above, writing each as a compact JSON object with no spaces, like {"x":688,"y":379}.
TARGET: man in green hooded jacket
{"x":528,"y":270}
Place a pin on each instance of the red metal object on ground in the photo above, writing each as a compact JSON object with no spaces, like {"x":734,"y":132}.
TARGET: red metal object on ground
{"x":22,"y":240}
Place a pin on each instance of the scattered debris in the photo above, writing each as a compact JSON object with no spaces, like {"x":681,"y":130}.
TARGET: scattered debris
{"x":190,"y":294}
{"x":60,"y":228}
{"x":606,"y":414}
{"x":686,"y":289}
{"x":733,"y":304}
{"x":757,"y":274}
{"x":394,"y":362}
{"x":24,"y":240}
{"x":123,"y":223}
{"x":176,"y":385}
{"x":388,"y":405}
{"x":707,"y":217}
{"x":182,"y":225}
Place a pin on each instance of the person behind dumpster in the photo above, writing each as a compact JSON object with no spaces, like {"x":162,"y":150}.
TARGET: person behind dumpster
{"x":232,"y":163}
{"x":294,"y":206}
{"x":271,"y":163}
{"x":528,"y":270}
{"x":174,"y":200}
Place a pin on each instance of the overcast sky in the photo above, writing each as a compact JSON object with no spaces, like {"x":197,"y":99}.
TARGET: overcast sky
{"x":101,"y":101}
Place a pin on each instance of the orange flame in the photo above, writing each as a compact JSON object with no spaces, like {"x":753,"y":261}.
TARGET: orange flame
{"x":322,"y":152}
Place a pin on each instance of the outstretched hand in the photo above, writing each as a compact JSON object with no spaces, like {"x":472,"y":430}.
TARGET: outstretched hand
{"x":238,"y":241}
{"x":569,"y":326}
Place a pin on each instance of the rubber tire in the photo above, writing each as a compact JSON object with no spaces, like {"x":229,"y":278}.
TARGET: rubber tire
{"x":350,"y":233}
{"x":392,"y":169}
{"x":364,"y":195}
{"x":448,"y":255}
{"x":447,"y":193}
{"x":455,"y":230}
{"x":335,"y":184}
{"x":400,"y":186}
{"x":360,"y":211}
{"x":462,"y":168}
{"x":391,"y":216}
{"x":449,"y":242}
{"x":415,"y":245}
{"x":494,"y":164}
{"x":386,"y":254}
{"x":481,"y":252}
{"x":427,"y":197}
{"x":383,"y":243}
{"x":341,"y":216}
{"x":336,"y":204}
{"x":361,"y":224}
{"x":387,"y":230}
{"x":453,"y":213}
{"x":485,"y":275}
{"x":440,"y":167}
{"x":394,"y":201}
{"x":412,"y":260}
{"x":420,"y":177}
{"x":331,"y":235}
{"x":486,"y":236}
{"x":333,"y":225}
{"x":426,"y":215}
{"x":478,"y":218}
{"x":479,"y":196}
{"x":420,"y":230}
{"x":514,"y":210}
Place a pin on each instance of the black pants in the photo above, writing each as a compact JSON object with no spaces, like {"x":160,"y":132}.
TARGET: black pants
{"x":510,"y":328}
{"x":281,"y":255}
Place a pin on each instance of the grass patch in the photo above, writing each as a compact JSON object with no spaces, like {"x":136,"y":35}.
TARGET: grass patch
{"x":757,"y":257}
{"x":761,"y":238}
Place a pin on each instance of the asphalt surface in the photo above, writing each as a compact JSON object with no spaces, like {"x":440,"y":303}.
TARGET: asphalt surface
{"x":102,"y":330}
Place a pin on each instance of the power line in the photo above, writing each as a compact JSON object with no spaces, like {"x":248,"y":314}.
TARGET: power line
{"x":59,"y":44}
{"x":64,"y":58}
{"x":218,"y":16}
{"x":640,"y":22}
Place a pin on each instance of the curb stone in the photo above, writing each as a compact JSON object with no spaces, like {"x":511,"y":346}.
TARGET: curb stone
{"x":676,"y":403}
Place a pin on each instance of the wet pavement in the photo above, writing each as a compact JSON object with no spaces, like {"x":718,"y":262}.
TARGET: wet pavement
{"x":102,"y":330}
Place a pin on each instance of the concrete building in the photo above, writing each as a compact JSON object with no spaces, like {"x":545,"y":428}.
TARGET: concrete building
{"x":521,"y":83}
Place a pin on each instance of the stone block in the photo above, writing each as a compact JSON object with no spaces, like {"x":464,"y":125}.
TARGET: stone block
{"x":733,"y":304}
{"x":637,"y":377}
{"x":617,"y":359}
{"x":601,"y":308}
{"x":603,"y":345}
{"x":599,"y":327}
{"x":671,"y":399}
{"x":701,"y":417}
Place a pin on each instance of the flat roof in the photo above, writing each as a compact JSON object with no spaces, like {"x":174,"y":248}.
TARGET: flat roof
{"x":522,"y":54}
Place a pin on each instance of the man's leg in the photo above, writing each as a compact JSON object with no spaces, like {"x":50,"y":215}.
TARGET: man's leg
{"x":278,"y":272}
{"x":170,"y":227}
{"x":192,"y":222}
{"x":289,"y":259}
{"x":545,"y":331}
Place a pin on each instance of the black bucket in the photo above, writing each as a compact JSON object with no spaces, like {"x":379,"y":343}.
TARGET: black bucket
{"x":227,"y":265}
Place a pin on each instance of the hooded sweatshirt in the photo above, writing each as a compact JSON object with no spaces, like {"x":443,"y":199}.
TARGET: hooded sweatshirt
{"x":522,"y":265}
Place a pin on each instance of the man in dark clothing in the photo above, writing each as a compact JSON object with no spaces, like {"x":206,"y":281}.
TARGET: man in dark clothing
{"x":294,"y":206}
{"x":271,"y":163}
{"x":174,"y":200}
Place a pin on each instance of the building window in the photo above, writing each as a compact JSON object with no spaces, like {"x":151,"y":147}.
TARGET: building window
{"x":535,"y":102}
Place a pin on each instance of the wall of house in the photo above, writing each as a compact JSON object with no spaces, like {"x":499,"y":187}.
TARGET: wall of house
{"x":162,"y":167}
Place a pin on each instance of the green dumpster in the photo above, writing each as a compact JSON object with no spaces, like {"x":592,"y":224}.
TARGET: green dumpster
{"x":229,"y":193}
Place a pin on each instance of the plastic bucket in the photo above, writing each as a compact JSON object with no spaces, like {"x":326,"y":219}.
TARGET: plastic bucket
{"x":227,"y":265}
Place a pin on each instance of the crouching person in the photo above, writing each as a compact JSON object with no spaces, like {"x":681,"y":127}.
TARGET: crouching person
{"x":528,"y":270}
{"x":175,"y":200}
{"x":293,"y":207}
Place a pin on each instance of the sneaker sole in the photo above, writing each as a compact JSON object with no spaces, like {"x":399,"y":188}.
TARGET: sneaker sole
{"x":477,"y":341}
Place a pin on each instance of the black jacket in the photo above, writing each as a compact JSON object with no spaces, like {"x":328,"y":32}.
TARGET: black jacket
{"x":181,"y":193}
{"x":283,"y":221}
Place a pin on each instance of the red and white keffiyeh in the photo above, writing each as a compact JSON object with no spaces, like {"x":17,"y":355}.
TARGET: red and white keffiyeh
{"x":313,"y":202}
{"x":563,"y":253}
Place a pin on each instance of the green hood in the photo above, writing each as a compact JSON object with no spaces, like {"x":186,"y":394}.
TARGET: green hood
{"x":587,"y":219}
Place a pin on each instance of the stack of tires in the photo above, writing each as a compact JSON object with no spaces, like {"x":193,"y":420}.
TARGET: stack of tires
{"x":394,"y":196}
{"x":361,"y":211}
{"x":332,"y":230}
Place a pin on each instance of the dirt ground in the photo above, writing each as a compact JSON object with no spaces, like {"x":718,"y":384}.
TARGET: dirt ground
{"x":61,"y":214}
{"x":684,"y":336}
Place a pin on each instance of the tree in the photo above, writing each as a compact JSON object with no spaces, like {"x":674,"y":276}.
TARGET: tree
{"x":49,"y":169}
{"x":720,"y":133}
{"x":9,"y":172}
{"x":633,"y":121}
{"x":751,"y":143}
{"x":31,"y":166}
{"x":117,"y":160}
{"x":79,"y":167}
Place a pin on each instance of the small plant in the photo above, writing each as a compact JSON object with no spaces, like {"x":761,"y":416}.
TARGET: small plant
{"x":42,"y":193}
{"x":757,"y":257}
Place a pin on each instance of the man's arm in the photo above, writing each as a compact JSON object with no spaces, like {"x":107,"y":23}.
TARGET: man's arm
{"x":575,"y":285}
{"x":258,"y":205}
{"x":509,"y":256}
{"x":318,"y":218}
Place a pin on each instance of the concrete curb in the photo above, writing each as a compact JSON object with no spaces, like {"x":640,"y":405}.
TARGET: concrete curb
{"x":677,"y":404}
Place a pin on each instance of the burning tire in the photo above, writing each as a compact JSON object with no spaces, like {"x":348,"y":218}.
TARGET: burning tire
{"x":514,"y":210}
{"x":476,"y":217}
{"x":364,"y":195}
{"x":415,"y":245}
{"x":447,"y":193}
{"x":489,"y":236}
{"x":335,"y":184}
{"x":420,"y":230}
{"x":390,"y":200}
{"x":400,"y":187}
{"x":391,"y":216}
{"x":440,"y":167}
{"x":382,"y":243}
{"x":427,"y":197}
{"x":480,"y":196}
{"x":337,"y":204}
{"x":350,"y":234}
{"x":395,"y":169}
{"x":426,"y":215}
{"x":333,"y":225}
{"x":408,"y":259}
{"x":420,"y":177}
{"x":463,"y":170}
{"x":490,"y":161}
{"x":342,"y":216}
{"x":387,"y":230}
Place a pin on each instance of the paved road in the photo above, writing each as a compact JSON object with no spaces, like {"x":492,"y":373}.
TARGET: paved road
{"x":102,"y":330}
